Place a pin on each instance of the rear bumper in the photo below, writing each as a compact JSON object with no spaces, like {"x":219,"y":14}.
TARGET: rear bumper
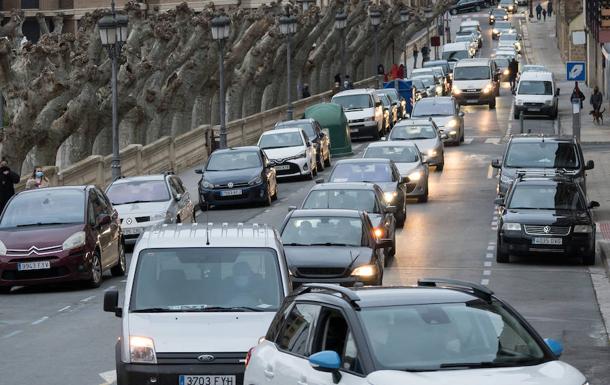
{"x":542,"y":110}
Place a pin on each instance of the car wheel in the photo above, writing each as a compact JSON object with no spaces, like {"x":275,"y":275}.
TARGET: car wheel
{"x":462,"y":137}
{"x":96,"y":270}
{"x":274,"y":197}
{"x":501,"y":256}
{"x":121,"y":266}
{"x":5,"y":289}
{"x":589,"y":259}
{"x":423,"y":198}
{"x":401,"y":217}
{"x":327,"y":161}
{"x":320,"y":165}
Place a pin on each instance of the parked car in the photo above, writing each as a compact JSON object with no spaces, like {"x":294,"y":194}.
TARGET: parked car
{"x":333,"y":246}
{"x":237,"y":175}
{"x":536,"y":94}
{"x":425,"y":134}
{"x":467,"y":6}
{"x":59,"y":234}
{"x":363,"y":110}
{"x":290,"y":152}
{"x":316,"y":134}
{"x":445,"y":112}
{"x":439,"y":331}
{"x":229,"y":278}
{"x":146,"y":201}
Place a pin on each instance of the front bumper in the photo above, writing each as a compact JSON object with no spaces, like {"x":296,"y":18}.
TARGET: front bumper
{"x":292,"y":168}
{"x":474,"y":97}
{"x":453,"y":135}
{"x":132,"y":232}
{"x":169,"y":374}
{"x":520,"y":243}
{"x":249,"y":194}
{"x":435,"y":160}
{"x":363,"y":129}
{"x":538,"y":109}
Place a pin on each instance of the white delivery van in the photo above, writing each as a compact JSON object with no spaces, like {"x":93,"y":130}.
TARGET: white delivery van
{"x":476,"y":81}
{"x":536,"y":95}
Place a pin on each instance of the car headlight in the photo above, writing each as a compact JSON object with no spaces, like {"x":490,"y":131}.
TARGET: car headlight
{"x":378,"y":232}
{"x":505,"y":179}
{"x":492,"y":17}
{"x":583,"y":229}
{"x":142,"y":350}
{"x":505,"y":17}
{"x":456,"y":90}
{"x":452,"y":123}
{"x":389,"y":196}
{"x":511,"y":226}
{"x":506,"y":72}
{"x":488,"y":88}
{"x":159,"y":216}
{"x":255,"y":181}
{"x":415,"y":176}
{"x":75,"y":240}
{"x":206,"y":184}
{"x":518,"y":102}
{"x":365,"y":271}
{"x":548,"y":102}
{"x":3,"y":249}
{"x":431,"y":153}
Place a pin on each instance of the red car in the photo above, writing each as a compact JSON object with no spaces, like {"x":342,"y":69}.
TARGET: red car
{"x":59,"y":234}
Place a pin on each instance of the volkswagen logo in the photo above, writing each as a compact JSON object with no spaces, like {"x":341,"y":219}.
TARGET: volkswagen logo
{"x":206,"y":358}
{"x":230,"y":185}
{"x":546,"y":229}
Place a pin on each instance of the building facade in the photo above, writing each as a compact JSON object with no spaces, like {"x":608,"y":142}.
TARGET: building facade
{"x":597,"y":28}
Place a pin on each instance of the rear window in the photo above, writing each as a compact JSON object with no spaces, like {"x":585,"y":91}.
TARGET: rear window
{"x":456,"y":55}
{"x":352,"y":102}
{"x":542,"y":155}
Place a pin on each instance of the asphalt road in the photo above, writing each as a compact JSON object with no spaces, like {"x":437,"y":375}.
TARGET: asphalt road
{"x":60,"y":336}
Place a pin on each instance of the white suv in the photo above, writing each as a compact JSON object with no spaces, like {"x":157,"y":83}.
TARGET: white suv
{"x":364,"y":112}
{"x":196,"y":299}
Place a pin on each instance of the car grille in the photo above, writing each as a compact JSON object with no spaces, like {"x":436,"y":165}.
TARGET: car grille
{"x":234,"y":185}
{"x":533,"y":104}
{"x":551,"y":230}
{"x":191,"y":358}
{"x":472,"y":90}
{"x":142,"y":219}
{"x":15,"y":275}
{"x":356,"y":121}
{"x":34,"y":259}
{"x":33,"y":251}
{"x":320,"y":271}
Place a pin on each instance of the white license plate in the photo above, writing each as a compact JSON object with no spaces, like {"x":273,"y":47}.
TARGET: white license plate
{"x":39,"y":265}
{"x":547,"y":241}
{"x":131,"y":231}
{"x":207,"y":380}
{"x":472,"y":101}
{"x":354,"y":130}
{"x":283,"y":167}
{"x":534,"y":109}
{"x":230,"y":193}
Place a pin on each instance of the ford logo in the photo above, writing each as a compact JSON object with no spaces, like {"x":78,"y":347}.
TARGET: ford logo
{"x":206,"y":358}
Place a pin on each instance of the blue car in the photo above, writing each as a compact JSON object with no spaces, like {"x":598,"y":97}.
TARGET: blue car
{"x":238,"y":175}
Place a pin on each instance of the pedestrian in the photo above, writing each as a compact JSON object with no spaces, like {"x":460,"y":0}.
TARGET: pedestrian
{"x":596,"y":100}
{"x":577,"y":94}
{"x":305,"y":91}
{"x":393,"y":72}
{"x":425,"y":54}
{"x":37,"y":179}
{"x":415,"y":54}
{"x":513,"y":69}
{"x":8,"y":179}
{"x":544,"y":15}
{"x":401,"y":72}
{"x":338,"y":78}
{"x":538,"y":11}
{"x":549,"y":8}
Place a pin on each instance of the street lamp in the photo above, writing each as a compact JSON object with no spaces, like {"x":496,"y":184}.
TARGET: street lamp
{"x":375,"y":17}
{"x":404,"y":18}
{"x":288,"y":27}
{"x":113,"y":34}
{"x":340,"y":24}
{"x":221,"y":28}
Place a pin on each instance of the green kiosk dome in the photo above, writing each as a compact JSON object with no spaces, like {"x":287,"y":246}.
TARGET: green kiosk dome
{"x":332,"y":119}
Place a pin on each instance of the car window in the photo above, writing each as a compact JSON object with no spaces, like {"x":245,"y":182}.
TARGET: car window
{"x":399,"y":154}
{"x":294,"y":335}
{"x":363,"y":200}
{"x":323,"y":231}
{"x":98,"y":206}
{"x":434,"y":107}
{"x":128,"y":191}
{"x":280,"y":140}
{"x":471,"y":73}
{"x":542,"y":155}
{"x":361,"y":172}
{"x":107,"y":206}
{"x":351,"y":102}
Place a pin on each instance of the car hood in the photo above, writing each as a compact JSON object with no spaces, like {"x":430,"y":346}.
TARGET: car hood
{"x":23,"y":238}
{"x":201,"y":332}
{"x":141,"y":208}
{"x":284,"y":152}
{"x":441,"y":121}
{"x":234,"y":176}
{"x":545,"y":217}
{"x":406,"y":168}
{"x":471,"y":84}
{"x":554,"y":372}
{"x":326,"y":256}
{"x":359,"y":114}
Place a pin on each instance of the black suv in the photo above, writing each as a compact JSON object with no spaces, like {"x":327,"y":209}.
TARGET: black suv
{"x":546,"y":212}
{"x":467,"y":5}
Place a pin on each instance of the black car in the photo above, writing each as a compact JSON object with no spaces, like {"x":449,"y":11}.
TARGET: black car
{"x":497,"y":14}
{"x":382,"y":172}
{"x":468,"y":5}
{"x":316,"y":135}
{"x":236,"y":176}
{"x":419,"y":90}
{"x":546,"y":215}
{"x":333,"y":246}
{"x":357,"y":196}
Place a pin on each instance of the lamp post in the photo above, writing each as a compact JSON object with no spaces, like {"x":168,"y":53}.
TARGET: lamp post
{"x":340,"y":24}
{"x":531,"y":15}
{"x":113,"y":34}
{"x":428,"y":14}
{"x":404,"y":18}
{"x":375,"y":17}
{"x":288,"y":27}
{"x":221,"y":28}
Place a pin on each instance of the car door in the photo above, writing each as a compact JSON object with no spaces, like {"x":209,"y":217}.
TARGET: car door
{"x":107,"y":229}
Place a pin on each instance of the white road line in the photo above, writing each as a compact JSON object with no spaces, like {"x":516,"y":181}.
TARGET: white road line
{"x":490,"y":248}
{"x":490,"y":172}
{"x":467,"y":140}
{"x":40,"y":320}
{"x":12,"y":334}
{"x":487,"y":264}
{"x":485,"y":282}
{"x":64,"y":308}
{"x":489,"y":255}
{"x":492,"y":242}
{"x":494,"y":228}
{"x":109,"y":377}
{"x":492,"y":140}
{"x":486,"y":272}
{"x":494,"y":223}
{"x":87,"y":299}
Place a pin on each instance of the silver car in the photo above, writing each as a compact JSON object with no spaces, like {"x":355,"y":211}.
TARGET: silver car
{"x":446,"y":114}
{"x":409,"y":161}
{"x":425,"y":134}
{"x":145,"y":201}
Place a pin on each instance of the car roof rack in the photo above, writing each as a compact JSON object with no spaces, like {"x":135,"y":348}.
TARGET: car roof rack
{"x":346,"y":293}
{"x":555,"y":174}
{"x":478,"y":290}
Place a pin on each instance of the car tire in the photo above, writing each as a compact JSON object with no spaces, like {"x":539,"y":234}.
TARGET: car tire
{"x":268,"y":199}
{"x":320,"y":164}
{"x":121,"y":266}
{"x":96,"y":271}
{"x":440,"y":167}
{"x":462,"y":138}
{"x":5,"y":289}
{"x":588,"y":259}
{"x":492,"y":105}
{"x":423,"y":198}
{"x":402,"y":217}
{"x":501,"y":256}
{"x":274,"y":196}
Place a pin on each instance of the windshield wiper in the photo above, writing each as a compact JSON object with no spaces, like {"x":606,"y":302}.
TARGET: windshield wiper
{"x":42,"y":224}
{"x":155,"y":310}
{"x":490,"y":364}
{"x":129,"y":203}
{"x":330,"y":244}
{"x":227,"y":309}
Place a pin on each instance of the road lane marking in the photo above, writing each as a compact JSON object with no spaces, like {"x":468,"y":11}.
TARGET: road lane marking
{"x":109,"y":377}
{"x":12,"y":334}
{"x":489,"y":255}
{"x":490,"y":172}
{"x":490,"y":248}
{"x":64,"y":309}
{"x":487,"y":264}
{"x":468,"y":141}
{"x":485,"y":282}
{"x":40,"y":320}
{"x":486,"y":272}
{"x":492,"y":140}
{"x":87,"y":299}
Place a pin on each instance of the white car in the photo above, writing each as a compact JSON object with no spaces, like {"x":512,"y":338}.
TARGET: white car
{"x":363,"y":110}
{"x":536,"y":94}
{"x":146,"y":201}
{"x":290,"y":152}
{"x":439,"y":332}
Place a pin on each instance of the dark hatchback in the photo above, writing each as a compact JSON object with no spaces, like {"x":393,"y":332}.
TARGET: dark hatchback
{"x":497,"y":14}
{"x":468,"y":5}
{"x":316,"y":135}
{"x":60,"y":234}
{"x":332,"y":246}
{"x":235,"y":176}
{"x":546,"y":215}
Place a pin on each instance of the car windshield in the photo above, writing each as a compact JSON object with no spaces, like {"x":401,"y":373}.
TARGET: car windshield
{"x":432,"y":107}
{"x":501,"y":62}
{"x":456,"y":55}
{"x":412,"y":132}
{"x":399,"y":154}
{"x":506,"y":3}
{"x":280,"y":140}
{"x":393,"y":96}
{"x":362,"y":172}
{"x":427,"y":80}
{"x":385,"y":100}
{"x":499,"y":12}
{"x":233,"y":160}
{"x":542,"y":155}
{"x":329,"y":231}
{"x":141,"y":191}
{"x":562,"y":196}
{"x":448,"y":336}
{"x":354,"y":102}
{"x":305,"y":126}
{"x":418,"y":83}
{"x":363,"y":200}
{"x":535,"y":87}
{"x":467,"y":38}
{"x":467,"y":31}
{"x":45,"y":206}
{"x":422,"y":72}
{"x":206,"y":279}
{"x":471,"y":73}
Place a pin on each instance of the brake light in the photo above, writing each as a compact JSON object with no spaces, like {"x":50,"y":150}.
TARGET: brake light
{"x":378,"y":233}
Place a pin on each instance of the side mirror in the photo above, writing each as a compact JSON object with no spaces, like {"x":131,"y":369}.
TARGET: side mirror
{"x":178,"y":197}
{"x":291,"y":208}
{"x":461,"y":114}
{"x":319,"y":180}
{"x":499,"y":201}
{"x":590,"y":165}
{"x":593,"y":204}
{"x":103,"y":220}
{"x":390,"y":210}
{"x":496,"y":163}
{"x":199,"y":171}
{"x":555,"y":346}
{"x":405,"y":179}
{"x":111,"y":303}
{"x":327,"y":361}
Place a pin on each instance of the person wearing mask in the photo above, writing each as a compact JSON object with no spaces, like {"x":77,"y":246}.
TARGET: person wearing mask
{"x":513,"y":68}
{"x":8,"y":179}
{"x":415,"y":54}
{"x":37,"y":179}
{"x":577,"y":94}
{"x":538,"y":11}
{"x":347,"y":84}
{"x":596,"y":100}
{"x":338,"y":78}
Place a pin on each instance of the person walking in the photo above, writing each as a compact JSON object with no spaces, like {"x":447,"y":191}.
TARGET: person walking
{"x":538,"y":11}
{"x":37,"y":179}
{"x":415,"y":54}
{"x":577,"y":94}
{"x":425,"y":54}
{"x":347,"y":84}
{"x":544,"y":15}
{"x":596,"y":100}
{"x":549,"y":8}
{"x":8,"y":179}
{"x":513,"y":69}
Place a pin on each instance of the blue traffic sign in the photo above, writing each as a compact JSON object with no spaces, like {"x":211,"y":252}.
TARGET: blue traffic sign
{"x":576,"y":71}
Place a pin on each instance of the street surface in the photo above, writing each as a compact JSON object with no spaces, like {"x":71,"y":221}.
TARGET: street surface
{"x":61,"y":336}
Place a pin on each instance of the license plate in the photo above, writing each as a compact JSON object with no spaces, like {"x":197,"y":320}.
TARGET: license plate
{"x":39,"y":265}
{"x":534,"y":109}
{"x":132,"y":231}
{"x":207,"y":380}
{"x":472,"y":101}
{"x":354,"y":130}
{"x":230,"y":193}
{"x":471,"y":90}
{"x":283,"y":167}
{"x":547,"y":241}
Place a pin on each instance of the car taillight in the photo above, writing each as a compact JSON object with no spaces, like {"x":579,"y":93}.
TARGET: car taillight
{"x":248,"y":356}
{"x":378,"y":233}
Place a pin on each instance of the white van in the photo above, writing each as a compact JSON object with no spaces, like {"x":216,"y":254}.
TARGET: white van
{"x":536,"y":95}
{"x":476,"y":81}
{"x":197,"y":298}
{"x":364,"y":112}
